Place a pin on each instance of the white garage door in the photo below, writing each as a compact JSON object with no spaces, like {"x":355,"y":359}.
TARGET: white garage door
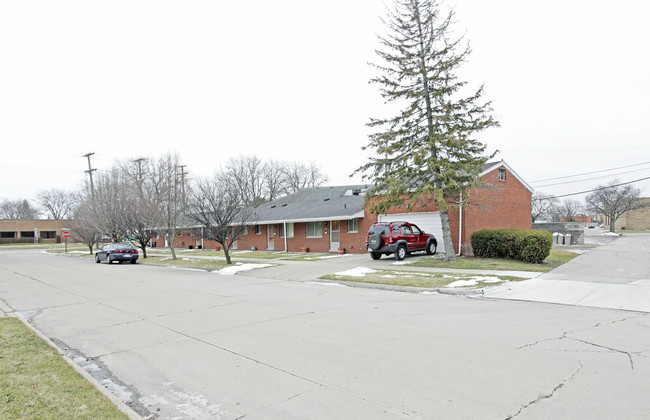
{"x":427,"y":221}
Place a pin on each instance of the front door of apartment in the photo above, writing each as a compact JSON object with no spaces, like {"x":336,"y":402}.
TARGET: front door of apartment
{"x":270,"y":234}
{"x":335,"y":234}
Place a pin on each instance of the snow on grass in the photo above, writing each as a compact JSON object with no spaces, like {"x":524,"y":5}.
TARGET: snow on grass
{"x":356,"y":272}
{"x":403,"y":262}
{"x":230,"y":271}
{"x":473,"y":281}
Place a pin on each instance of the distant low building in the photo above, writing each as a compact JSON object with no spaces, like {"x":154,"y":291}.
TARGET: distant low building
{"x":31,"y":231}
{"x":636,"y":219}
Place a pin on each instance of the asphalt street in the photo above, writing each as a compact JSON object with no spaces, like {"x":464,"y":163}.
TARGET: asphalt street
{"x":177,"y":343}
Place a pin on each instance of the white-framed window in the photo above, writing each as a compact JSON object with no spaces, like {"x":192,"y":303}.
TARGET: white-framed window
{"x":353,"y":225}
{"x":502,"y":174}
{"x":314,"y":230}
{"x":258,"y":229}
{"x":245,"y":230}
{"x":289,"y":230}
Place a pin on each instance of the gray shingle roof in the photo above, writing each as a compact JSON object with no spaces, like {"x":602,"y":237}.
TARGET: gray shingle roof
{"x":314,"y":204}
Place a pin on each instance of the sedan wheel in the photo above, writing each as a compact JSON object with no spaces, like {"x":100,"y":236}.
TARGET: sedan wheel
{"x":109,"y":259}
{"x":97,"y":259}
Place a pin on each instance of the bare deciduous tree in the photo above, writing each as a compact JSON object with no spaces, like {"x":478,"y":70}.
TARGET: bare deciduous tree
{"x":85,"y":226}
{"x":170,"y":186}
{"x":220,"y":210}
{"x":298,"y":176}
{"x":110,"y":203}
{"x":614,"y":199}
{"x":57,"y":204}
{"x":542,"y":204}
{"x":246,"y":174}
{"x":19,"y":209}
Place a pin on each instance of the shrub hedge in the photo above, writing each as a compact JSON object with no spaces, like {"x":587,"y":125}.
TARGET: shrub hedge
{"x":531,"y":246}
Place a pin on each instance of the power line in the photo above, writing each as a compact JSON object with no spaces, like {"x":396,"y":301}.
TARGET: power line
{"x":589,"y":173}
{"x":601,"y":188}
{"x":589,"y":179}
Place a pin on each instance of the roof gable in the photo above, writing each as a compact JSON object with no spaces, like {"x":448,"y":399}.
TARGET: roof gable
{"x":491,"y":166}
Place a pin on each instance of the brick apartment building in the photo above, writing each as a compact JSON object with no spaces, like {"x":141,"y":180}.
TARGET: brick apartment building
{"x":333,"y":219}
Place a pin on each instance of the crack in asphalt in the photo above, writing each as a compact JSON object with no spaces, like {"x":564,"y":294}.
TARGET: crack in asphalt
{"x":548,"y":395}
{"x":565,"y":335}
{"x":608,"y":348}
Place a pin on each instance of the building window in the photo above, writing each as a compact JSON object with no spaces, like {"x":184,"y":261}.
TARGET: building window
{"x":289,"y":230}
{"x":48,"y":234}
{"x":258,"y":229}
{"x":27,"y":234}
{"x":353,"y":225}
{"x":7,"y":235}
{"x":502,"y":174}
{"x":314,"y":230}
{"x":244,"y":230}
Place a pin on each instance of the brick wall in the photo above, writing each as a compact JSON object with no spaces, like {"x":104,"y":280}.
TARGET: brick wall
{"x":496,"y":204}
{"x":52,"y":226}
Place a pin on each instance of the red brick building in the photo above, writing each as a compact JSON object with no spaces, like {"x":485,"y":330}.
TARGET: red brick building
{"x":333,"y":219}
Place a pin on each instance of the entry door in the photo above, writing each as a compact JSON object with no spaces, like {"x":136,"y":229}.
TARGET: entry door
{"x":270,"y":233}
{"x":335,"y":234}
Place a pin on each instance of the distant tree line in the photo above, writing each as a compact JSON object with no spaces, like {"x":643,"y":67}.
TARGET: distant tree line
{"x":138,"y":198}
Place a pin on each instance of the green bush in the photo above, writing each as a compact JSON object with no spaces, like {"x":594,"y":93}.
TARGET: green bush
{"x":531,"y":246}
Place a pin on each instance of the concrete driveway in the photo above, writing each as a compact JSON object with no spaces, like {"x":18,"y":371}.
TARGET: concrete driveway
{"x":182,"y":344}
{"x":615,"y":274}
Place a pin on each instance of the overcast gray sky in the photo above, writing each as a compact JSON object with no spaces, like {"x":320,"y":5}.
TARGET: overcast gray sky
{"x":288,"y":80}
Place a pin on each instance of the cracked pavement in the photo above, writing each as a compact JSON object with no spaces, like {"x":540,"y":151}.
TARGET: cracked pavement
{"x":200,"y":345}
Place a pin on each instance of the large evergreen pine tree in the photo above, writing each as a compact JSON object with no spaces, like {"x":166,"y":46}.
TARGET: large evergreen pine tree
{"x":426,"y":153}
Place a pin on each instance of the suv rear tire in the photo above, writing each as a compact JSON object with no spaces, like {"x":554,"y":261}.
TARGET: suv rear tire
{"x":400,"y":253}
{"x":375,"y":255}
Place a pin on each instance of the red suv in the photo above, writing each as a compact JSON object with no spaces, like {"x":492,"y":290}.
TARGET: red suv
{"x":400,"y":238}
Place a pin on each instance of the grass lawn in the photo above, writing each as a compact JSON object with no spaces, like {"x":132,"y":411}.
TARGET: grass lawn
{"x":37,"y":383}
{"x":185,"y":261}
{"x":418,"y":279}
{"x":555,"y":259}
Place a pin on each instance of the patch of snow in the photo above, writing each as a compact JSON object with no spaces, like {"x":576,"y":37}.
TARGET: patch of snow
{"x":611,"y":234}
{"x":403,"y":262}
{"x":462,"y":283}
{"x":90,"y":367}
{"x":184,"y":405}
{"x":356,"y":272}
{"x":119,"y":391}
{"x":323,"y":283}
{"x":230,"y":271}
{"x":473,"y":281}
{"x":187,"y":268}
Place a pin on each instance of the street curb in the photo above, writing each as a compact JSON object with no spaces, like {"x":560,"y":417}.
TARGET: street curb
{"x":128,"y":411}
{"x":405,"y":289}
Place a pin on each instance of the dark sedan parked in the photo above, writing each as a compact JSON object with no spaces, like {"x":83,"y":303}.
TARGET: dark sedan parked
{"x":116,"y":252}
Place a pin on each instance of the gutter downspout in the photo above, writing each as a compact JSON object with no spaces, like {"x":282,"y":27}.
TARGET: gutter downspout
{"x":460,"y":225}
{"x":202,"y":245}
{"x":285,"y":237}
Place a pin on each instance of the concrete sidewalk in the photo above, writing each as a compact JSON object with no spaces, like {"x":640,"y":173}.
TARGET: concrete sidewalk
{"x":615,"y":276}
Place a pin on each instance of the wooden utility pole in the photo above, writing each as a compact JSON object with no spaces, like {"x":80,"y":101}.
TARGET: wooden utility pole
{"x":90,"y":173}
